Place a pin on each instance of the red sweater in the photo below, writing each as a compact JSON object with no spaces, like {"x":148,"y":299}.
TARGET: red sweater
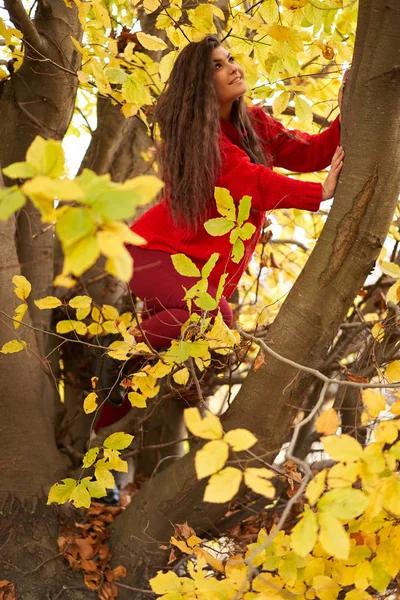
{"x":290,"y":149}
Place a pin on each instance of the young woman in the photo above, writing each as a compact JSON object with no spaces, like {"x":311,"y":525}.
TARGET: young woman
{"x":210,"y":138}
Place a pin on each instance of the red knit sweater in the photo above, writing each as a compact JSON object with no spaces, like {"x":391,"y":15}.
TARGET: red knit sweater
{"x":290,"y":149}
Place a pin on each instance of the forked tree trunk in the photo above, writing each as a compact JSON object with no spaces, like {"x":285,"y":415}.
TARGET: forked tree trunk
{"x":308,"y":321}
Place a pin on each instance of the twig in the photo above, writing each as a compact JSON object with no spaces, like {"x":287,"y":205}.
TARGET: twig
{"x":312,"y":371}
{"x":134,"y":589}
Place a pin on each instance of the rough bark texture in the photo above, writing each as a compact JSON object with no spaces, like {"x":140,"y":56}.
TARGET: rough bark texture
{"x":349,"y":244}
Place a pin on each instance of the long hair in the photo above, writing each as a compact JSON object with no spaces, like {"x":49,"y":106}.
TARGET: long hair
{"x":188,"y":116}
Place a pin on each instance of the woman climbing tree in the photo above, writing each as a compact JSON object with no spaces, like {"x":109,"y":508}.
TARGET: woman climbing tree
{"x":210,"y":138}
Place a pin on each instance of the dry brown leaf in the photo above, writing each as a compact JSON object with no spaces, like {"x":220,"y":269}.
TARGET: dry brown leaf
{"x":119,"y":572}
{"x":259,"y":362}
{"x":85,"y":547}
{"x":183,"y":530}
{"x":172,"y":557}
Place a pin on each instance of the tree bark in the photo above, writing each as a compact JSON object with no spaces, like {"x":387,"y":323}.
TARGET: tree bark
{"x":359,"y":220}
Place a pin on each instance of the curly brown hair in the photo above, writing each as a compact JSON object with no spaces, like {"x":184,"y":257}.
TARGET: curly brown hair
{"x":188,"y":116}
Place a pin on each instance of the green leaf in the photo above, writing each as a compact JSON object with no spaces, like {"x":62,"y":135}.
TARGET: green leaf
{"x":19,"y":170}
{"x":116,"y":75}
{"x":246,"y":231}
{"x":135,"y":92}
{"x":206,"y":302}
{"x":61,"y":492}
{"x":46,"y":157}
{"x":218,"y":226}
{"x":116,"y":204}
{"x":225,"y":204}
{"x":118,"y":441}
{"x":244,"y":209}
{"x":11,"y":200}
{"x":210,"y":264}
{"x":304,"y":533}
{"x":344,"y":503}
{"x":73,"y":225}
{"x":237,"y":251}
{"x":80,"y":496}
{"x":184,"y":265}
{"x":90,"y":457}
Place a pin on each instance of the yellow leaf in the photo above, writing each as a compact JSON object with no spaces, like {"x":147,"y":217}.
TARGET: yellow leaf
{"x":327,"y":422}
{"x":303,"y":110}
{"x":378,"y":332}
{"x":166,"y":65}
{"x":128,"y":110}
{"x":80,"y":302}
{"x":19,"y":314}
{"x":137,"y":400}
{"x":82,"y":255}
{"x":390,"y":269}
{"x":12,"y":347}
{"x":109,"y":312}
{"x":386,"y":432}
{"x":118,"y":441}
{"x":393,"y":294}
{"x":333,"y":537}
{"x":392,"y":372}
{"x":240,"y":439}
{"x":110,"y":243}
{"x":61,"y":492}
{"x":46,"y":156}
{"x":209,"y":428}
{"x":181,"y":377}
{"x":363,"y":575}
{"x":391,"y":498}
{"x":63,"y":280}
{"x":48,"y":302}
{"x":280,"y":102}
{"x":121,"y":266}
{"x":120,"y":350}
{"x":211,"y":458}
{"x":22,"y":286}
{"x":395,"y":408}
{"x":223,"y":486}
{"x":166,"y":583}
{"x":316,"y":487}
{"x":374,"y":402}
{"x":96,"y":315}
{"x":325,"y":588}
{"x":80,"y":496}
{"x":151,"y":42}
{"x":342,"y":448}
{"x":90,"y":403}
{"x":70,"y":325}
{"x":257,"y":479}
{"x":146,"y":186}
{"x":184,"y":265}
{"x":95,"y":329}
{"x":304,"y":534}
{"x":341,"y":475}
{"x":82,"y":313}
{"x":225,"y":203}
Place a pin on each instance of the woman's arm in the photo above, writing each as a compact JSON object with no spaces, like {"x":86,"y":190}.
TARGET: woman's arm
{"x":270,"y":190}
{"x":296,"y":150}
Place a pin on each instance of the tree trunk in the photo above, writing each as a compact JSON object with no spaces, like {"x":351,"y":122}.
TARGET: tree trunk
{"x":308,"y":321}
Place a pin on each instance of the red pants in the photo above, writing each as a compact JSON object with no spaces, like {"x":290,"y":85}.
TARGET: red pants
{"x":156,"y":282}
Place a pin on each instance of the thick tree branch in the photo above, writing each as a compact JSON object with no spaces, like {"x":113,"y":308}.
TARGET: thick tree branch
{"x":20,"y":18}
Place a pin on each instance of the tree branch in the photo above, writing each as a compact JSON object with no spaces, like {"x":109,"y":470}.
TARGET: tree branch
{"x":20,"y":18}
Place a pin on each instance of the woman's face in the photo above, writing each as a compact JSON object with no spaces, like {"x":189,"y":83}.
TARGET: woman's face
{"x":228,"y":77}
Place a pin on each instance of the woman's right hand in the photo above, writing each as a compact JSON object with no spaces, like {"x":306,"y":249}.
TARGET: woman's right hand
{"x":329,"y":185}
